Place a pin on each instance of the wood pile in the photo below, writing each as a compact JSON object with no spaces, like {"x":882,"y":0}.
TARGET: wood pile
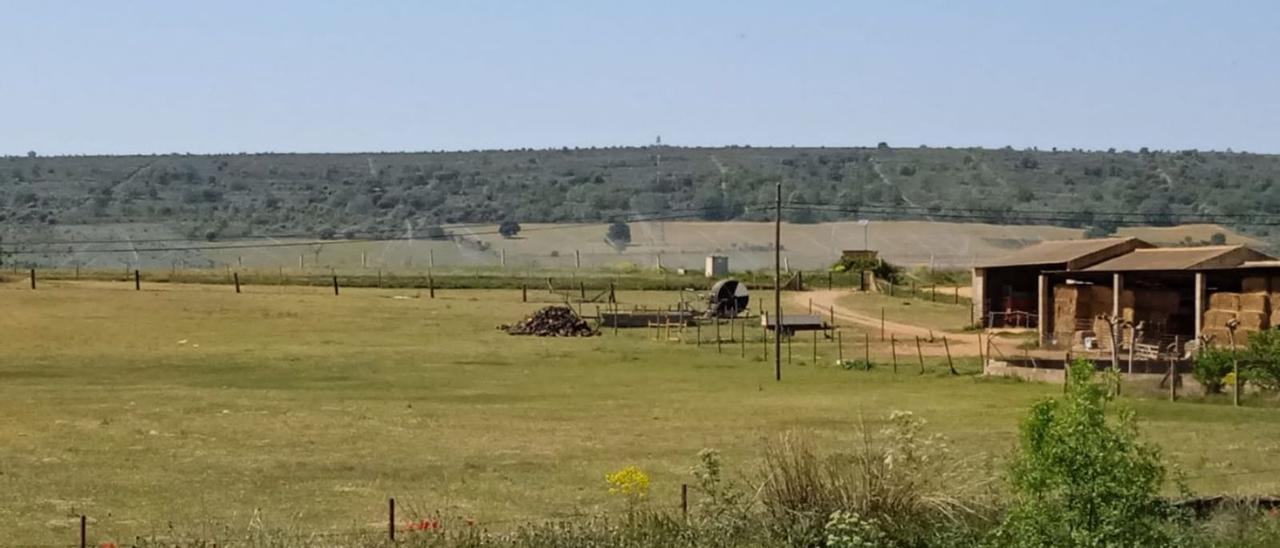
{"x":552,"y":321}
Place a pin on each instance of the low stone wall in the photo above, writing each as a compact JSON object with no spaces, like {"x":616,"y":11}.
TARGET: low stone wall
{"x":1146,"y":381}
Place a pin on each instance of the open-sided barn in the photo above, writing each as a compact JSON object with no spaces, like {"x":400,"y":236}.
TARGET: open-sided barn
{"x":1066,"y":290}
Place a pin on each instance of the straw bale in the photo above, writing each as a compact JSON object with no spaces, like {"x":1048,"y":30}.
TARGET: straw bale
{"x":1223,"y":300}
{"x":1218,"y":318}
{"x":1255,"y":302}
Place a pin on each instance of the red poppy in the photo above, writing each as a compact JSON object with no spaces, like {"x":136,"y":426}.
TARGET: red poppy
{"x":108,"y":545}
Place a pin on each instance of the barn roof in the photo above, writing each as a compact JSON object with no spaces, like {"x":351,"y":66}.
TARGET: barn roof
{"x":1182,"y":258}
{"x":1075,"y":254}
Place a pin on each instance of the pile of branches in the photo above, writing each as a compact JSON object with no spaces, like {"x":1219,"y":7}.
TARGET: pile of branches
{"x":552,"y":321}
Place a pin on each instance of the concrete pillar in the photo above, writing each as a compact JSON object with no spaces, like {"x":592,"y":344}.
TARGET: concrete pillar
{"x":1200,"y":303}
{"x":980,"y":295}
{"x":1042,"y":308}
{"x":1117,"y":287}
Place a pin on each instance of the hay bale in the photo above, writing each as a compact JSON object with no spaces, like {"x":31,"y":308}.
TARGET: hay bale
{"x":1255,"y":302}
{"x":1223,"y":300}
{"x":1218,"y":336}
{"x":1218,"y":318}
{"x":1254,"y":284}
{"x":1252,"y":321}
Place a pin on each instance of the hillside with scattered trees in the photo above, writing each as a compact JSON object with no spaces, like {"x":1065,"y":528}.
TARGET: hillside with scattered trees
{"x":350,"y":195}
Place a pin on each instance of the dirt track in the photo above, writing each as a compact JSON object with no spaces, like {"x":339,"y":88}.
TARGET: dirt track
{"x":962,"y":344}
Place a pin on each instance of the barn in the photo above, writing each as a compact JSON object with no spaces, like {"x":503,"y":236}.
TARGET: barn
{"x":1065,"y":290}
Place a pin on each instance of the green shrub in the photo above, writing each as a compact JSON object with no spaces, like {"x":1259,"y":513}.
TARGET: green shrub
{"x":1081,"y":480}
{"x":1261,"y":361}
{"x":1211,"y":367}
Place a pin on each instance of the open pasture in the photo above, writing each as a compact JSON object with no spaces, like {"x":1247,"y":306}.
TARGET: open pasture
{"x":190,"y":406}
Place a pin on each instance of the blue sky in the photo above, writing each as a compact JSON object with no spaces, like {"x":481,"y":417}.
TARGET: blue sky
{"x":230,"y":76}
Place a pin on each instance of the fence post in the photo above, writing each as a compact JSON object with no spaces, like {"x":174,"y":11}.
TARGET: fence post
{"x":866,"y":349}
{"x":697,"y":328}
{"x":789,"y":337}
{"x":950,"y":365}
{"x":815,"y":347}
{"x":920,"y":353}
{"x":33,"y":278}
{"x":893,"y":348}
{"x":137,"y":280}
{"x":84,"y":536}
{"x":524,"y":293}
{"x":684,"y":501}
{"x":764,"y":330}
{"x":743,"y":342}
{"x":718,"y":348}
{"x":391,"y":518}
{"x":882,"y":324}
{"x":582,"y":290}
{"x":829,"y":276}
{"x":335,"y":285}
{"x":235,"y":276}
{"x":957,"y":295}
{"x":840,"y":346}
{"x":431,"y":286}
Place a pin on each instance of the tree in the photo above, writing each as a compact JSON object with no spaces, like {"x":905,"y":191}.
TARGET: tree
{"x":619,"y":235}
{"x":31,"y":154}
{"x":1079,"y":479}
{"x":1218,"y":238}
{"x":509,"y":229}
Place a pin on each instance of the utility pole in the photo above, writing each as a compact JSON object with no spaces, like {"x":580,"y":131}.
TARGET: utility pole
{"x":777,"y":286}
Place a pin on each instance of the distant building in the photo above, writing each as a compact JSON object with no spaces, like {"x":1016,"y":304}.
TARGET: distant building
{"x":1064,"y":289}
{"x":717,"y":266}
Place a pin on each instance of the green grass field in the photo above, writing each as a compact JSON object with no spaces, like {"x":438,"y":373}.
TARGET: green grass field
{"x":190,"y":407}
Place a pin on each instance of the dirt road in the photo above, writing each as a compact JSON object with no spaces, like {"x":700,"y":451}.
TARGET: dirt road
{"x":961,"y":344}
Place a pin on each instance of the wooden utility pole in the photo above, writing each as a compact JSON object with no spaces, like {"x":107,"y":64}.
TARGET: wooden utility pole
{"x":777,"y":283}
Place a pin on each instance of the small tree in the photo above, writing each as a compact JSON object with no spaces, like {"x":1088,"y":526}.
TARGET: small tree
{"x":619,"y":235}
{"x":1218,"y":238}
{"x":1262,"y":360}
{"x":509,"y":229}
{"x":1211,"y":368}
{"x":1081,"y":480}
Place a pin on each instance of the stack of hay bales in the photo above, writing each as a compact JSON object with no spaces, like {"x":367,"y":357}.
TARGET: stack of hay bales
{"x":1075,"y":302}
{"x":1252,"y":308}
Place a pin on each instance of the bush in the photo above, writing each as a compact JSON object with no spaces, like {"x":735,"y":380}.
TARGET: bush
{"x":1081,"y":480}
{"x":1261,"y":361}
{"x":1211,"y":367}
{"x":509,"y":229}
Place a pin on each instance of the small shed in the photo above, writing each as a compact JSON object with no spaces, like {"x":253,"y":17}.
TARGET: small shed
{"x":717,"y":266}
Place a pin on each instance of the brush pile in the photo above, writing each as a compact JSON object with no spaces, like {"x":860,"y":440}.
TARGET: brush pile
{"x":552,"y":321}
